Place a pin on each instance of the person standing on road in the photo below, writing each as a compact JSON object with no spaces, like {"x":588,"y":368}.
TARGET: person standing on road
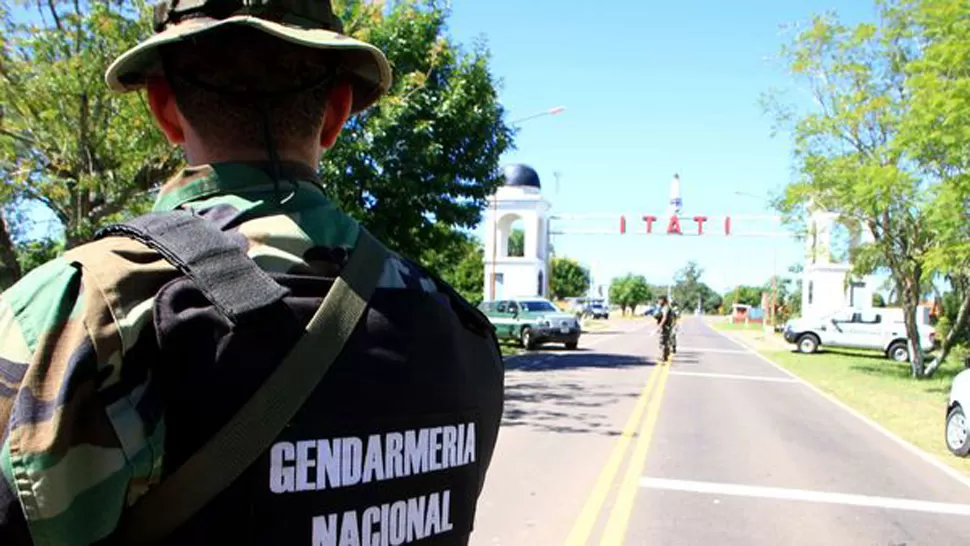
{"x":675,"y":328}
{"x":247,"y":364}
{"x":665,"y":321}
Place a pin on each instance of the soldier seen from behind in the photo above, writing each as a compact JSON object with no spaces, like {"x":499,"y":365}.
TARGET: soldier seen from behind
{"x":246,"y":365}
{"x":665,"y":322}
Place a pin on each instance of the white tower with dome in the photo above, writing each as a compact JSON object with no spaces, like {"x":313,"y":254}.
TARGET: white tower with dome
{"x":518,"y":201}
{"x":828,"y":284}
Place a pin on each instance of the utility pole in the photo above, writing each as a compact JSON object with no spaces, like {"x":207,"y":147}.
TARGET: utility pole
{"x":774,"y":283}
{"x":774,"y":294}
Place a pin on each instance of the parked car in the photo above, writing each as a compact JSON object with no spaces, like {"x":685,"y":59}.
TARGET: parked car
{"x":881,"y":329}
{"x":532,"y":322}
{"x":957,"y":431}
{"x":597,"y":311}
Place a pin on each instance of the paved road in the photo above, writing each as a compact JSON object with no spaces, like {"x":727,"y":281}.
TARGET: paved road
{"x":604,"y":446}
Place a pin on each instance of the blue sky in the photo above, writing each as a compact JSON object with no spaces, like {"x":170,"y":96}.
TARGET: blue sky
{"x":651,"y":88}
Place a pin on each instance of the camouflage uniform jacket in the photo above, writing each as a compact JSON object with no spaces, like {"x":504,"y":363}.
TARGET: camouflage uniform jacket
{"x":80,"y":439}
{"x":666,"y":312}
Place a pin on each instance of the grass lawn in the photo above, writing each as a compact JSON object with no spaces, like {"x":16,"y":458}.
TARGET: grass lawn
{"x":718,"y":325}
{"x":883,"y":391}
{"x":510,"y":349}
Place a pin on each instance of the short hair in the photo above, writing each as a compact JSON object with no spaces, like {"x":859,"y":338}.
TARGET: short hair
{"x":226,"y":79}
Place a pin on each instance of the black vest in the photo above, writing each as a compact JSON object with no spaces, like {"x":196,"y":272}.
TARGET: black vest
{"x":391,"y":448}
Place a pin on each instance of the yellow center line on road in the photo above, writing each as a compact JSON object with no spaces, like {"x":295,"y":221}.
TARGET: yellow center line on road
{"x":619,"y":517}
{"x":590,"y":512}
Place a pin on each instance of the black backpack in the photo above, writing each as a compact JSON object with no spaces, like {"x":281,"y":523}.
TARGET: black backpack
{"x":394,"y":441}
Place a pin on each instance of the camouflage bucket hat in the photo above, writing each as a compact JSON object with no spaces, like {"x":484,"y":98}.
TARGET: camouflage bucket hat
{"x":310,"y":23}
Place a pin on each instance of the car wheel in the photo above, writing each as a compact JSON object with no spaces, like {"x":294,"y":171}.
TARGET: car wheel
{"x":899,"y":352}
{"x":808,"y":344}
{"x":957,"y":437}
{"x":527,"y":340}
{"x":571,"y":345}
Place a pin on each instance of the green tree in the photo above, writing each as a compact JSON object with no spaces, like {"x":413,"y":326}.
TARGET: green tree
{"x":689,"y":291}
{"x":517,"y":243}
{"x":460,"y":264}
{"x":936,"y":132}
{"x":878,"y":300}
{"x":629,"y":291}
{"x":66,"y":142}
{"x":428,"y":154}
{"x":953,"y":302}
{"x":791,"y":306}
{"x":745,"y":295}
{"x":414,"y":169}
{"x":10,"y":269}
{"x":568,"y":278}
{"x":847,"y":152}
{"x":793,"y":303}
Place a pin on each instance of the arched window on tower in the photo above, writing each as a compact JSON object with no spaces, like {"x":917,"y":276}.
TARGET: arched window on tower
{"x":516,"y":241}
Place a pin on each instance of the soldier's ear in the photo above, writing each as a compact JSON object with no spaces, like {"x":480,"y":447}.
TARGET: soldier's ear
{"x":336,"y":114}
{"x":161,"y":100}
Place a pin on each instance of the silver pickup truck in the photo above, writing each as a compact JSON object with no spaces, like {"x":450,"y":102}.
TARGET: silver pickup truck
{"x":881,"y":329}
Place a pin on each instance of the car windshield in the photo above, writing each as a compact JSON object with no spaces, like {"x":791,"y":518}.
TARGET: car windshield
{"x":533,"y":306}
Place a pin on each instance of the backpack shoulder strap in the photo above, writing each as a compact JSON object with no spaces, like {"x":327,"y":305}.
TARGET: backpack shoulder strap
{"x":219,"y":267}
{"x":254,"y":427}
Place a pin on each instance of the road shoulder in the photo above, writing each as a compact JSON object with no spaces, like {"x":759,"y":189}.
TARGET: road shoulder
{"x":925,"y":440}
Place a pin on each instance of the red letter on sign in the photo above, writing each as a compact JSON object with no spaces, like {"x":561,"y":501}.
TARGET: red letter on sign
{"x":727,"y":225}
{"x":622,"y":225}
{"x":674,"y":226}
{"x":700,"y":224}
{"x":649,"y":220}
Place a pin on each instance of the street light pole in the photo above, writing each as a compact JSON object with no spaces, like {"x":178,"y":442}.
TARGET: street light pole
{"x":550,"y":112}
{"x":555,"y":111}
{"x":774,"y":286}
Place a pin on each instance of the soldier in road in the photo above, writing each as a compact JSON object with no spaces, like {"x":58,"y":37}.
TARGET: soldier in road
{"x":247,"y":365}
{"x":675,"y":329}
{"x":665,"y":320}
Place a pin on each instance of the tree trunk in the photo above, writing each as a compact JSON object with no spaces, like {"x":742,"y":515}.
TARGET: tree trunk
{"x":9,"y":266}
{"x":951,"y":336}
{"x":910,"y":299}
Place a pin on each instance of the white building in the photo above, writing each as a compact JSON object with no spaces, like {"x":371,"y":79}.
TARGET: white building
{"x":519,"y":199}
{"x":828,"y":284}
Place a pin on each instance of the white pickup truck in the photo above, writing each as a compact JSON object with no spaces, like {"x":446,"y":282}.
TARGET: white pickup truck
{"x":957,"y":426}
{"x":881,"y":329}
